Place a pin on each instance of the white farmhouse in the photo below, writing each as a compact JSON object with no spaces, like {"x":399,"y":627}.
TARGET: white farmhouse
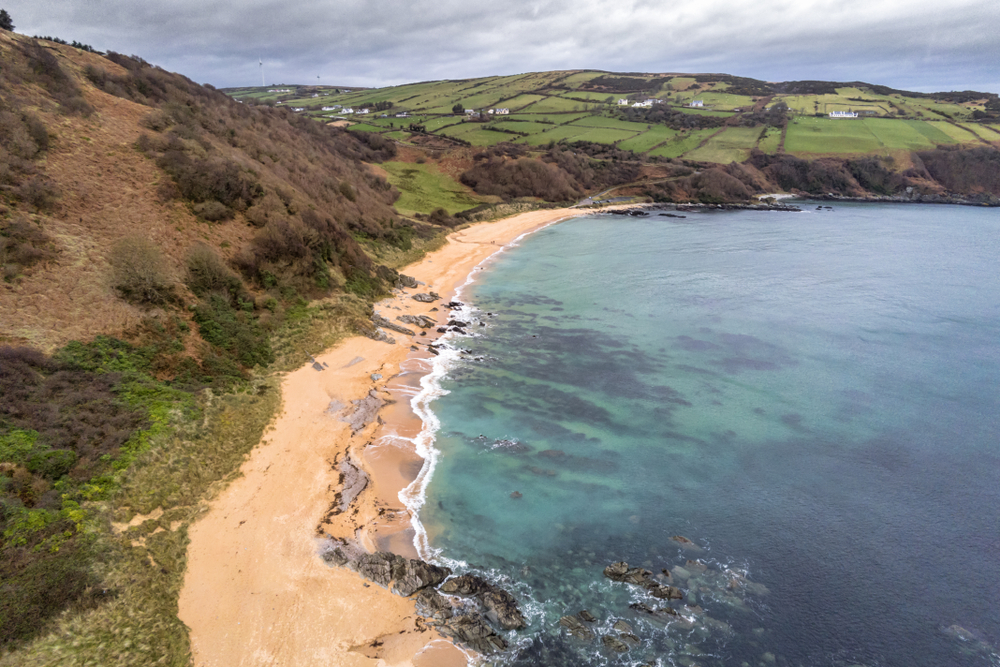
{"x":623,"y":102}
{"x":347,"y":110}
{"x":502,"y":112}
{"x":843,"y":114}
{"x":697,"y":103}
{"x":365,"y":110}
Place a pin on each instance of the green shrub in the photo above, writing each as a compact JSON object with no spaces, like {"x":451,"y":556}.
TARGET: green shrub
{"x":213,"y":211}
{"x":139,"y":272}
{"x":206,"y":273}
{"x":235,"y":331}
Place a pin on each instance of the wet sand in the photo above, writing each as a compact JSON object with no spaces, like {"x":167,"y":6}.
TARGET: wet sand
{"x":255,"y":591}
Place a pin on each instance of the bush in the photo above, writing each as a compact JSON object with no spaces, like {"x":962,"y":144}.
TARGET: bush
{"x":207,"y":273}
{"x":213,"y":211}
{"x":22,"y":244}
{"x":38,"y":192}
{"x":234,"y":331}
{"x":139,"y":272}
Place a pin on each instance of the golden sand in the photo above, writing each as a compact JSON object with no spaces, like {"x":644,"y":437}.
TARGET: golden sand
{"x":255,"y":591}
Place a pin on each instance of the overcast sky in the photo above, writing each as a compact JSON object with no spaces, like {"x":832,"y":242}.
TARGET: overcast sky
{"x":911,"y":44}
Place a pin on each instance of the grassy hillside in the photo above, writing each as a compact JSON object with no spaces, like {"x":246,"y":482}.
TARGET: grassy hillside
{"x":164,"y":248}
{"x":556,"y":107}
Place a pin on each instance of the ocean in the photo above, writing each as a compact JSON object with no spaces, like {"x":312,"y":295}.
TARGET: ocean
{"x":795,"y":415}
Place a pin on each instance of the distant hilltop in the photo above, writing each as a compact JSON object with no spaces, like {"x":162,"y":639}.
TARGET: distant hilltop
{"x":717,"y":118}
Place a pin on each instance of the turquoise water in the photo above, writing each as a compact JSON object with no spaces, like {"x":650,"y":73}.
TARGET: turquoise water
{"x":811,"y":398}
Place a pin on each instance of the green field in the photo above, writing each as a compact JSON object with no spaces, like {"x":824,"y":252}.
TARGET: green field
{"x":613,"y":123}
{"x":770,"y":141}
{"x":984,"y":131}
{"x":682,"y":143}
{"x":423,"y":189}
{"x":550,"y":104}
{"x":731,"y":145}
{"x":644,"y":142}
{"x":827,"y":135}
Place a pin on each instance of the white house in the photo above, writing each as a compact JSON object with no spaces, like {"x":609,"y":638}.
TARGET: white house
{"x":347,"y":110}
{"x":623,"y":102}
{"x":501,"y":112}
{"x":697,"y":103}
{"x":470,"y":112}
{"x":843,"y":114}
{"x":402,"y":115}
{"x":333,"y":108}
{"x":365,"y":110}
{"x":646,"y":104}
{"x":297,"y":109}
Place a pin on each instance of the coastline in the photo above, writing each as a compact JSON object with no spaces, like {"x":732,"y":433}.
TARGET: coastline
{"x":255,"y":590}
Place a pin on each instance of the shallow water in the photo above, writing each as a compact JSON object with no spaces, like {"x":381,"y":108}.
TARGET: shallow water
{"x":811,"y":398}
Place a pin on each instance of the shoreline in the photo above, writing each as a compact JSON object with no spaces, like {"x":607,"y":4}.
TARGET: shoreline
{"x":255,"y":590}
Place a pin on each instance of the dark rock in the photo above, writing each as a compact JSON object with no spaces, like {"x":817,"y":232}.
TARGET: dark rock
{"x":432,"y":350}
{"x":614,"y":644}
{"x":630,"y":639}
{"x":474,"y":632}
{"x":465,"y":585}
{"x":576,"y":628}
{"x":622,"y":626}
{"x":587,"y":616}
{"x":442,"y":329}
{"x":418,"y":575}
{"x":616,"y":571}
{"x":432,"y":604}
{"x":381,"y":567}
{"x":515,"y":495}
{"x":422,"y":321}
{"x":665,"y":592}
{"x":406,"y":281}
{"x":424,"y":297}
{"x":380,"y":321}
{"x":499,"y":605}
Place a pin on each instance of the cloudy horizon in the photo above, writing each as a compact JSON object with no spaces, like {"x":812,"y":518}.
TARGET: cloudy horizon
{"x":915,"y":46}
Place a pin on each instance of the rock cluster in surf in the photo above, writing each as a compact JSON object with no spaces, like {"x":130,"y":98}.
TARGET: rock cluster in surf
{"x":465,"y":608}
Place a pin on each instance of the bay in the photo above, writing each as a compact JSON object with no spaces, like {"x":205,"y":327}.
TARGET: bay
{"x":810,"y":398}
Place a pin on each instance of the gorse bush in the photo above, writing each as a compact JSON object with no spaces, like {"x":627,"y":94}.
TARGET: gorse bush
{"x":139,"y":272}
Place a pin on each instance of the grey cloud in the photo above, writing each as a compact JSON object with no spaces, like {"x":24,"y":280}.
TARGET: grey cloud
{"x":918,"y":45}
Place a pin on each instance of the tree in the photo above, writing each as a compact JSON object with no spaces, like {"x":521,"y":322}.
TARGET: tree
{"x":6,"y":22}
{"x":458,"y":109}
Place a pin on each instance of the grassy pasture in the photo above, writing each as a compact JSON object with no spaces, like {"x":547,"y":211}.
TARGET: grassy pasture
{"x":580,"y":78}
{"x":770,"y":141}
{"x":957,"y":134}
{"x":523,"y":126}
{"x":731,"y":145}
{"x":682,"y":143}
{"x":643,"y":142}
{"x":827,"y":135}
{"x":521,"y":101}
{"x":984,"y":131}
{"x":555,"y":118}
{"x":906,"y":134}
{"x":423,"y":189}
{"x":682,"y":82}
{"x":613,"y":123}
{"x":550,"y":104}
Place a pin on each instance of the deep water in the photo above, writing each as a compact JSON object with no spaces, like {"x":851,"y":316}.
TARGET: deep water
{"x":811,"y":398}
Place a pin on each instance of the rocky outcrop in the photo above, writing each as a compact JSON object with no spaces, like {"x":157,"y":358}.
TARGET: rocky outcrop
{"x":473,"y":631}
{"x":404,"y":576}
{"x":353,"y":481}
{"x":575,"y":627}
{"x":380,"y":321}
{"x":364,"y":412}
{"x":499,"y":606}
{"x":637,"y":576}
{"x":421,"y":321}
{"x":406,"y":281}
{"x":425,"y":297}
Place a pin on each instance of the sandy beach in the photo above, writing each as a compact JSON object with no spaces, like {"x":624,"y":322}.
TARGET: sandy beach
{"x":255,"y":591}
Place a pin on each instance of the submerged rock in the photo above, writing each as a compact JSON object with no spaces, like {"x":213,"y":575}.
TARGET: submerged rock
{"x":576,"y":628}
{"x":614,"y":644}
